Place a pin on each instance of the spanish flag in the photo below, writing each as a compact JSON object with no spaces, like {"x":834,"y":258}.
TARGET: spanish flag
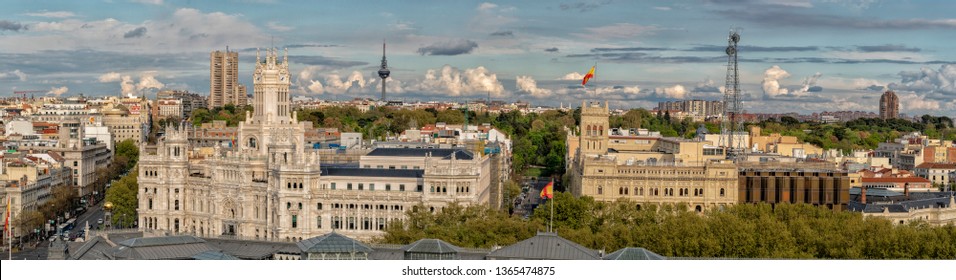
{"x":588,"y":76}
{"x":548,"y":191}
{"x":6,"y":219}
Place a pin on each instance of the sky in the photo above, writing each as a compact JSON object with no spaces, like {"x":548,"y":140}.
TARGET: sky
{"x":794,"y":56}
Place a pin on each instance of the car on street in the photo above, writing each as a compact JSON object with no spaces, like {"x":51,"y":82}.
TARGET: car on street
{"x":100,"y":221}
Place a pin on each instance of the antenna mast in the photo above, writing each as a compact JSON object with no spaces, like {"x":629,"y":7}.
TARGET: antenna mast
{"x":732,"y":123}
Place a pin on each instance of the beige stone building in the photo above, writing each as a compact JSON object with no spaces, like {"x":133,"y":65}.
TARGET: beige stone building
{"x":224,"y":86}
{"x":273,"y":186}
{"x":647,"y":168}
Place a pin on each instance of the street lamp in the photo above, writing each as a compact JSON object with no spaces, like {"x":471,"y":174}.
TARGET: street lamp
{"x":108,"y":217}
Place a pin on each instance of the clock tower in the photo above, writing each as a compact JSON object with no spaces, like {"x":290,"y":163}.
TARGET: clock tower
{"x":270,"y":80}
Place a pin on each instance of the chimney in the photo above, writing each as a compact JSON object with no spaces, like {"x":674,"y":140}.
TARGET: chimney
{"x":863,"y":195}
{"x":906,"y":190}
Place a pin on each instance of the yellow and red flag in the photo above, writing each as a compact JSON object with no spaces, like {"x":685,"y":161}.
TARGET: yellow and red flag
{"x":548,"y":191}
{"x":588,"y":76}
{"x":6,"y":219}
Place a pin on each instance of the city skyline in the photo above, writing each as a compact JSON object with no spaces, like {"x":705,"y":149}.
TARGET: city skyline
{"x":802,"y":56}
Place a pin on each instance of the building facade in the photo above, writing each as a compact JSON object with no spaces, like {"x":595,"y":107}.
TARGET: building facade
{"x":889,"y":105}
{"x":825,"y":188}
{"x":224,"y":86}
{"x":271,"y":186}
{"x":647,"y":168}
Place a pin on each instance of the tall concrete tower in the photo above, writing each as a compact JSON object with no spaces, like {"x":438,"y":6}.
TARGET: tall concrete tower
{"x":383,"y":72}
{"x":889,"y":105}
{"x":224,"y":86}
{"x":271,"y":100}
{"x":594,"y":126}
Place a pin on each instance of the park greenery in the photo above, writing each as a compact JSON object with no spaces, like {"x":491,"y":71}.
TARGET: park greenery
{"x":797,"y":231}
{"x":122,"y":192}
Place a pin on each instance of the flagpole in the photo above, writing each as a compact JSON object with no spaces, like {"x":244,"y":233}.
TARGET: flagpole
{"x":551,"y":223}
{"x":9,"y":230}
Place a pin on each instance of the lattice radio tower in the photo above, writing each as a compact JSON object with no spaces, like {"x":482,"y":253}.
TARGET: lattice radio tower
{"x":732,"y":125}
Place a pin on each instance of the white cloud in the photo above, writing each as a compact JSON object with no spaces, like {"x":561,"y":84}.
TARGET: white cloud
{"x":151,"y":2}
{"x":808,"y":84}
{"x":277,"y":27}
{"x":336,"y":84}
{"x":572,"y":76}
{"x":109,"y":77}
{"x":15,"y":73}
{"x":771,"y":85}
{"x":676,"y":92}
{"x":52,"y":14}
{"x":527,"y":84}
{"x":186,"y":30}
{"x":927,"y":80}
{"x":316,"y":87}
{"x":486,"y":6}
{"x":59,"y":90}
{"x":454,"y":82}
{"x":129,"y":87}
{"x":616,"y":31}
{"x":662,"y":8}
{"x":914,"y":102}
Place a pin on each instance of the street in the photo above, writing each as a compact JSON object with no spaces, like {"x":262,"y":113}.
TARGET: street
{"x":39,"y":252}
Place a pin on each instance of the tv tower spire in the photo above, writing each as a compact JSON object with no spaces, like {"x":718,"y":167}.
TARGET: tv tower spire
{"x":383,"y":72}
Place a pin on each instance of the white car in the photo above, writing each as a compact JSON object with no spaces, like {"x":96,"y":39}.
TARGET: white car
{"x":100,"y":221}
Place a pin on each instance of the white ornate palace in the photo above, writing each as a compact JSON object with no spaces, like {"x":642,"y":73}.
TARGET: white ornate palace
{"x":272,"y":186}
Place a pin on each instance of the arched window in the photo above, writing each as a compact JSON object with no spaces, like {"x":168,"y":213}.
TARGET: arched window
{"x":600,"y":190}
{"x":721,"y":192}
{"x":252,"y":142}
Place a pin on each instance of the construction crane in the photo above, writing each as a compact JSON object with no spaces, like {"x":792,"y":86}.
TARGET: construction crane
{"x":23,"y":93}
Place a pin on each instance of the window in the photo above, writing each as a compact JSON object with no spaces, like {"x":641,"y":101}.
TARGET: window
{"x":348,"y":186}
{"x":388,"y":187}
{"x":300,"y":205}
{"x":721,"y":192}
{"x":74,"y":163}
{"x":288,"y":205}
{"x":378,"y":166}
{"x":318,"y":222}
{"x":333,"y":185}
{"x":391,"y":167}
{"x":401,"y":187}
{"x":600,"y":190}
{"x":150,"y":204}
{"x":404,"y":166}
{"x":419,"y":188}
{"x":295,"y":221}
{"x":371,"y":187}
{"x":318,"y":206}
{"x":177,"y":205}
{"x":361,"y":186}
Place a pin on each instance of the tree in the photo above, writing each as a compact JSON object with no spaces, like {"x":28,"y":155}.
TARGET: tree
{"x":127,"y":148}
{"x":451,"y":116}
{"x":122,"y":193}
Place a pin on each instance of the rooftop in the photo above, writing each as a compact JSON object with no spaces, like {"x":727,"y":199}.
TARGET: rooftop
{"x":545,"y":246}
{"x":422,"y":152}
{"x":332,"y":243}
{"x":363,"y":172}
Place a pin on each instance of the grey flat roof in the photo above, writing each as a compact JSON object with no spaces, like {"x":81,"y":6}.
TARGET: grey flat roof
{"x":369,"y":172}
{"x":332,"y":243}
{"x":421,"y":152}
{"x":161,"y":241}
{"x":545,"y":246}
{"x":213,"y":255}
{"x":433,"y":246}
{"x":632,"y":253}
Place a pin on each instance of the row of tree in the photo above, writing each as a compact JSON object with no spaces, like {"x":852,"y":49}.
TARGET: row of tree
{"x":122,"y":192}
{"x":740,"y":231}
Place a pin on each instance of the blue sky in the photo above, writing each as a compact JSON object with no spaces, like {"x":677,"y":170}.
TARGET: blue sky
{"x":795,"y":56}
